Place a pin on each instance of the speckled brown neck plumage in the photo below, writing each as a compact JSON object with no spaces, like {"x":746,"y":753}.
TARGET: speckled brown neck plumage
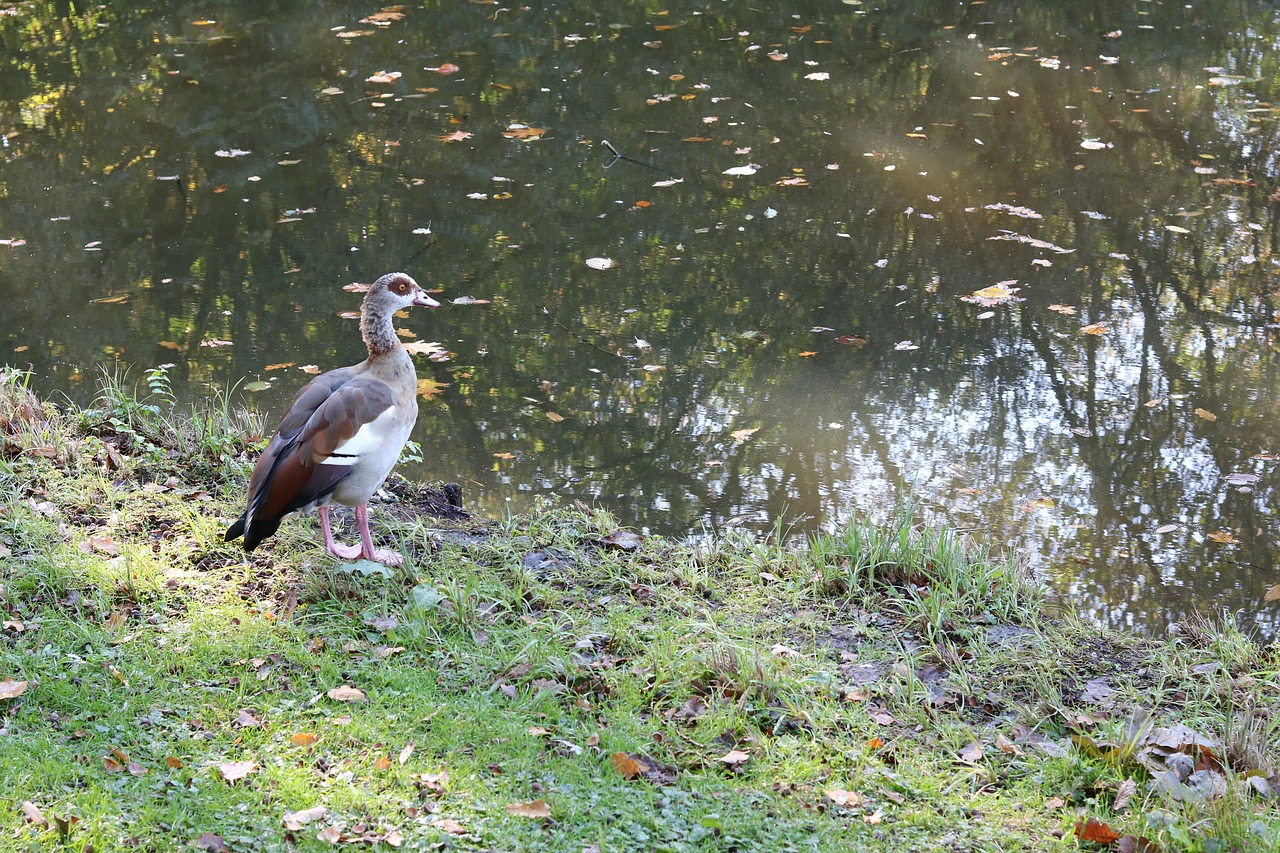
{"x":375,"y":323}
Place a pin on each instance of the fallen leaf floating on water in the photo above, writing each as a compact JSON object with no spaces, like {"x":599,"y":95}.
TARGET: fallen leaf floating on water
{"x":1024,"y":212}
{"x":534,"y":808}
{"x":741,"y":435}
{"x":1224,"y":537}
{"x":1272,"y":594}
{"x":429,"y":389}
{"x":1062,"y":309}
{"x":424,"y":347}
{"x":905,"y":345}
{"x":1096,"y":329}
{"x":1177,"y":229}
{"x":232,"y":152}
{"x":522,"y":131}
{"x":384,"y":17}
{"x":1031,"y":241}
{"x":456,"y":136}
{"x":1166,"y":528}
{"x":384,"y":77}
{"x":1207,"y":415}
{"x":855,"y":341}
{"x":555,"y":417}
{"x":749,"y":169}
{"x":996,"y":294}
{"x":600,"y":263}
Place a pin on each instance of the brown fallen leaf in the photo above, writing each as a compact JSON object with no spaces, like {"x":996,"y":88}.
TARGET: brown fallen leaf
{"x":1096,"y":831}
{"x":297,"y":820}
{"x":555,"y":417}
{"x":10,"y":689}
{"x":383,"y":764}
{"x":1096,"y":329}
{"x":303,"y":739}
{"x":406,"y":752}
{"x":1005,"y":745}
{"x":734,"y":758}
{"x":534,"y":808}
{"x":346,"y":693}
{"x":450,"y":826}
{"x":234,"y":771}
{"x":971,"y":753}
{"x":741,"y":435}
{"x":173,"y":763}
{"x":33,"y":814}
{"x":1272,"y":594}
{"x":210,"y":841}
{"x":627,"y":767}
{"x":246,"y":719}
{"x":1207,"y":415}
{"x":1124,"y":794}
{"x":843,"y":798}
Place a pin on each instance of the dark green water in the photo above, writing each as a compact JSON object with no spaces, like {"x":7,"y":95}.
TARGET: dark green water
{"x":183,"y":174}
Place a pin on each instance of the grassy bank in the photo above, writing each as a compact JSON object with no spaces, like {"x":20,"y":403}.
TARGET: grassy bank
{"x":547,"y":682}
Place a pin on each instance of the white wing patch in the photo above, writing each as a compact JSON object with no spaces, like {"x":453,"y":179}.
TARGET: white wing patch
{"x":370,"y":439}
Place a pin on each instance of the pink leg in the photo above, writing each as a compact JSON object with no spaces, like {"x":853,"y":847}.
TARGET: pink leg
{"x":381,"y":555}
{"x":342,"y":552}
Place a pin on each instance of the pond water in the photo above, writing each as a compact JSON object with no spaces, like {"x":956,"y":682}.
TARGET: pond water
{"x":1017,"y":256}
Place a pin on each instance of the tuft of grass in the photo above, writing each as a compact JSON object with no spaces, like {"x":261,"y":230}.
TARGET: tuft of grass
{"x":884,"y":687}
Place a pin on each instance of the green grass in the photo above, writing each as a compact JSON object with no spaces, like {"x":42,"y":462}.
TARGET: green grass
{"x":524,"y":661}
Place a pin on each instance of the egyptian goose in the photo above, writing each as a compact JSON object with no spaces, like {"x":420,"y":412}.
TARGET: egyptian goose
{"x":343,"y":433}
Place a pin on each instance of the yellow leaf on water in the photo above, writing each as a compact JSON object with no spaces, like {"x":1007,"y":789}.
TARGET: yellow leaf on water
{"x":1096,"y":329}
{"x":1207,"y":415}
{"x":555,"y":417}
{"x":429,"y":388}
{"x":741,"y":435}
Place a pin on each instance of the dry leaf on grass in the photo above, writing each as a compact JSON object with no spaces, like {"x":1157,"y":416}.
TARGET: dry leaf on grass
{"x":234,"y":771}
{"x":346,"y":693}
{"x":534,"y":808}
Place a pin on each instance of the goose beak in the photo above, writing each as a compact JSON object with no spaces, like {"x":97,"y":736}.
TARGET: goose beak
{"x":422,"y":299}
